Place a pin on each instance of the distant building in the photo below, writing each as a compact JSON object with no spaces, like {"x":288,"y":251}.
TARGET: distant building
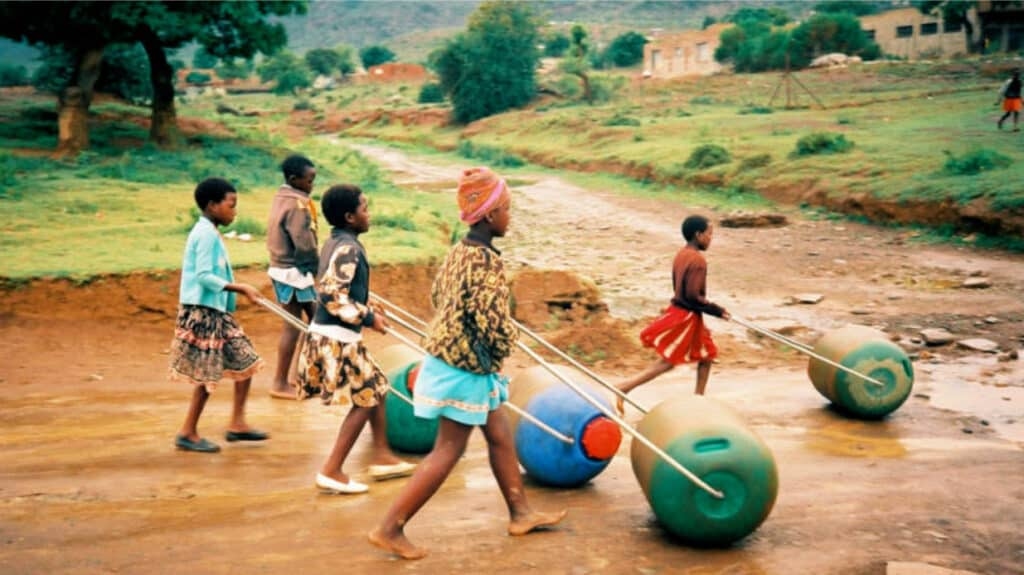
{"x":909,"y":34}
{"x":1002,"y":26}
{"x":689,"y":53}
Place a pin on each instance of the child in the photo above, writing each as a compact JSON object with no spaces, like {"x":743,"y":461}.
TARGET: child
{"x":334,"y":355}
{"x":1009,"y":97}
{"x":470,"y":337}
{"x":291,"y":242}
{"x":679,"y":335}
{"x":208,"y":344}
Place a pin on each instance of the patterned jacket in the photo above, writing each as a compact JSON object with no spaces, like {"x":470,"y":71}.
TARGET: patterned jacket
{"x":472,"y":328}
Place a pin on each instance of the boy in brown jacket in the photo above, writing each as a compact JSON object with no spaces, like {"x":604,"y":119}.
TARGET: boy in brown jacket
{"x":292,"y":244}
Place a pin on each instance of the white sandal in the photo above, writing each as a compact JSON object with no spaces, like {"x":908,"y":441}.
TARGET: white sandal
{"x":334,"y":486}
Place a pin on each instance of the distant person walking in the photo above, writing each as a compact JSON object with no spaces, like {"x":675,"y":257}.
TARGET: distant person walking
{"x":1009,"y":95}
{"x":292,"y":244}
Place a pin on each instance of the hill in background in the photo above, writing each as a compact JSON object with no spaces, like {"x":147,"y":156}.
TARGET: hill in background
{"x":412,"y":29}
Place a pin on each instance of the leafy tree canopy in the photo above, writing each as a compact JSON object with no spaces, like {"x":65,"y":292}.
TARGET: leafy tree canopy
{"x":555,"y":44}
{"x":288,"y":72}
{"x":855,"y":7}
{"x":771,"y":16}
{"x":626,"y":49}
{"x":491,"y":67}
{"x":13,"y":75}
{"x":375,"y":55}
{"x":323,"y":61}
{"x":203,"y":59}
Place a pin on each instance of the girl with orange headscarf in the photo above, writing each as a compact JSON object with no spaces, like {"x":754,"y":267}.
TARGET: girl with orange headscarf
{"x":459,"y":381}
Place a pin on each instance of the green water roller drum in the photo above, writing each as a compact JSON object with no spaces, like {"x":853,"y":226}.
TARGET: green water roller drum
{"x":867,"y":351}
{"x":711,"y":441}
{"x":406,"y":432}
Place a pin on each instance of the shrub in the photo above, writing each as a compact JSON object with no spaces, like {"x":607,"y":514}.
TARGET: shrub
{"x":626,"y":49}
{"x":375,"y":55}
{"x":754,"y":162}
{"x":975,"y":162}
{"x":13,"y":75}
{"x":706,"y":156}
{"x":197,"y":78}
{"x":488,"y":154}
{"x":431,"y":93}
{"x":620,"y":119}
{"x":756,"y":110}
{"x":822,"y":143}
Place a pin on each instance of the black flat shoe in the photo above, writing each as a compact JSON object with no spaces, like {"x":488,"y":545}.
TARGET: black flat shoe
{"x":251,"y":435}
{"x":203,"y":445}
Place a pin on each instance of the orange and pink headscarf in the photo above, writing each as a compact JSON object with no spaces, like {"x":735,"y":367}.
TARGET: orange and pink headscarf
{"x":480,"y":191}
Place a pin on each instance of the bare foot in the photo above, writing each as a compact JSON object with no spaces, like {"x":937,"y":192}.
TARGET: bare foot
{"x":282,"y":394}
{"x":534,"y":520}
{"x":398,"y":545}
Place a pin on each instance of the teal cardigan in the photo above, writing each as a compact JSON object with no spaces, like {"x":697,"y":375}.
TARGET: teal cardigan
{"x":205,"y":269}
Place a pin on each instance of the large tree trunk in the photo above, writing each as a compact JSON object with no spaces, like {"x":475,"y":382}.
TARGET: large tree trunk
{"x":73,"y":103}
{"x":163,"y":128}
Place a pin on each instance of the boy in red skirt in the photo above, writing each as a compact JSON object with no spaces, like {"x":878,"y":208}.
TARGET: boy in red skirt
{"x":679,"y":335}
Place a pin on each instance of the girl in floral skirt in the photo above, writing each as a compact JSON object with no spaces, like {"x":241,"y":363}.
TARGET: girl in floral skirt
{"x":208,"y":344}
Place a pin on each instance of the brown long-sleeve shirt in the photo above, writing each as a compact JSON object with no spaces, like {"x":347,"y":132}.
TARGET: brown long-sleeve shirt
{"x":689,"y":278}
{"x":291,"y":231}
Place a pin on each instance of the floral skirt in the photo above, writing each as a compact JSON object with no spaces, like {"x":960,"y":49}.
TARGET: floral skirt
{"x":327,"y":365}
{"x":679,"y":336}
{"x":209,"y":346}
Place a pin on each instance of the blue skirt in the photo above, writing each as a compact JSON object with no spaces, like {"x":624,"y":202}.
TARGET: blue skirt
{"x":462,"y":396}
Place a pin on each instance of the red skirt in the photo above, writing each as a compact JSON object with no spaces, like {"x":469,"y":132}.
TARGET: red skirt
{"x":679,"y":336}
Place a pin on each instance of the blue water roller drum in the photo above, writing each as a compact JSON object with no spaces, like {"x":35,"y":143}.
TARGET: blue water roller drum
{"x":406,"y":432}
{"x":546,"y":459}
{"x":867,"y":351}
{"x":711,"y":441}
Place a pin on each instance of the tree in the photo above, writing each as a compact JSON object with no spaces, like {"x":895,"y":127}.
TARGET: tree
{"x":323,"y":61}
{"x":375,"y":55}
{"x":235,"y":69}
{"x":125,"y":73}
{"x":771,"y":16}
{"x":84,"y":29}
{"x":13,"y":75}
{"x":203,"y":59}
{"x":492,"y":66}
{"x":626,"y":49}
{"x":576,"y":62}
{"x":826,"y":33}
{"x":555,"y":45}
{"x":855,"y":7}
{"x":75,"y":28}
{"x":346,"y":64}
{"x":287,"y":71}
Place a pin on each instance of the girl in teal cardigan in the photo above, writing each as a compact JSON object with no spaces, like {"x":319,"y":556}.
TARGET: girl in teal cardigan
{"x":208,"y":344}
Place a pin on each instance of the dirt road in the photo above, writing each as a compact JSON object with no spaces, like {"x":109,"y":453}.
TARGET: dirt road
{"x":89,"y":481}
